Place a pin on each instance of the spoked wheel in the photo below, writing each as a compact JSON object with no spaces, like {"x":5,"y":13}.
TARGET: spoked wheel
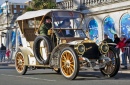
{"x":112,"y":67}
{"x":42,"y":48}
{"x":69,"y":63}
{"x":19,"y":63}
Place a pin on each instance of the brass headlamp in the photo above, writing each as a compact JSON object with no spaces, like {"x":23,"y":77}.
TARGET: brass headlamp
{"x":80,"y":48}
{"x":104,"y":48}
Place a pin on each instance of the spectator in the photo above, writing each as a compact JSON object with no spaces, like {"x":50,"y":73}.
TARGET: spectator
{"x":128,"y":48}
{"x":121,"y":45}
{"x":106,"y":39}
{"x":8,"y":54}
{"x":3,"y":51}
{"x":117,"y":40}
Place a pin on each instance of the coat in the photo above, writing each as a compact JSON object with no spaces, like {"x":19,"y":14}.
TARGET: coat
{"x":44,"y":29}
{"x":121,"y":44}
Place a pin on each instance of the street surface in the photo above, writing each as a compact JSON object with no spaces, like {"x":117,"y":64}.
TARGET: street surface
{"x":9,"y":76}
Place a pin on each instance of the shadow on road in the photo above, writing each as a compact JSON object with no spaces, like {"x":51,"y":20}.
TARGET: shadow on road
{"x":99,"y":76}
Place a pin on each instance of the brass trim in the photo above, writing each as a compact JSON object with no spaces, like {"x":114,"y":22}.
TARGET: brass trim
{"x":87,"y":40}
{"x":88,"y":48}
{"x":76,"y":48}
{"x":101,"y":45}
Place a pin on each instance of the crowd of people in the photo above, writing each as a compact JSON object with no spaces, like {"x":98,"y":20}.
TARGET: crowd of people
{"x":122,"y":46}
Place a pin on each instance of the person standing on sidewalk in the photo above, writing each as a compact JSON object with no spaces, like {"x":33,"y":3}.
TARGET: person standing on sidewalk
{"x":121,"y":45}
{"x":116,"y":41}
{"x":3,"y":51}
{"x":8,"y":54}
{"x":107,"y":39}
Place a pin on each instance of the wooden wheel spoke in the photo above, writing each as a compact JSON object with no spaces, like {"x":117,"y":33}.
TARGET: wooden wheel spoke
{"x":63,"y":66}
{"x":63,"y":61}
{"x":64,"y":57}
{"x":72,"y":69}
{"x":20,"y":62}
{"x":71,"y":58}
{"x":69,"y":70}
{"x":71,"y":65}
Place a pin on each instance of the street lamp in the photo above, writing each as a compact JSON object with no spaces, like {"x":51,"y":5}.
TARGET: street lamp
{"x":7,"y":11}
{"x":8,"y":39}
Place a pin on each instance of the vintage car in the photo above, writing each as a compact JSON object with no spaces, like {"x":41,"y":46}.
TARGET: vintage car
{"x":67,"y":50}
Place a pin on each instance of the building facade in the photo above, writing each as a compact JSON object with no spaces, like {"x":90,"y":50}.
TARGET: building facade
{"x":102,"y":16}
{"x":10,"y":12}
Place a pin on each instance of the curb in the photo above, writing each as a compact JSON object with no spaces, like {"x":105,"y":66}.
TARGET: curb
{"x":6,"y":64}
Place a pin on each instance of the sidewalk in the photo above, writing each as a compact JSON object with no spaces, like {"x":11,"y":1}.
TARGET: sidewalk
{"x":6,"y":63}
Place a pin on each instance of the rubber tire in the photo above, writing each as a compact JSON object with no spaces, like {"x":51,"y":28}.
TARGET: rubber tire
{"x":23,"y":72}
{"x":75,"y":56}
{"x":36,"y":49}
{"x":117,"y":65}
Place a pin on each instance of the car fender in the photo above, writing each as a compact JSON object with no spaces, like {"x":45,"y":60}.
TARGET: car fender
{"x":25,"y":51}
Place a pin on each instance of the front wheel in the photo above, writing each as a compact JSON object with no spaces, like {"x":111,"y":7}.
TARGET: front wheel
{"x":19,"y":63}
{"x":69,"y":63}
{"x":111,"y":68}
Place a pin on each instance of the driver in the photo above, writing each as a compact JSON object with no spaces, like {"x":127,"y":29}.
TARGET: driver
{"x":45,"y":26}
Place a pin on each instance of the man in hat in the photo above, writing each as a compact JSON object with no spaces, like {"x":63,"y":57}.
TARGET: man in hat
{"x":45,"y":26}
{"x":106,"y":39}
{"x":3,"y":51}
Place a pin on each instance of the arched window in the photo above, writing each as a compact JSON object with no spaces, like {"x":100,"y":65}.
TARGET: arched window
{"x":109,"y":27}
{"x":125,"y":25}
{"x":93,"y":30}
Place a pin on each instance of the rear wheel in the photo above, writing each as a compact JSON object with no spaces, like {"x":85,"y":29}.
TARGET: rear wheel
{"x":111,"y":68}
{"x":19,"y":63}
{"x":69,"y":63}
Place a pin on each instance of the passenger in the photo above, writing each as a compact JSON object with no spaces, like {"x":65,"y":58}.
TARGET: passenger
{"x":66,"y":24}
{"x":45,"y":26}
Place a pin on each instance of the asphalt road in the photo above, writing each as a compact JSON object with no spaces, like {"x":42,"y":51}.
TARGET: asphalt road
{"x":9,"y":76}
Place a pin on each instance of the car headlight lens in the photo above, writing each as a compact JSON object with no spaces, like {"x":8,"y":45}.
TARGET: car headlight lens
{"x":104,"y":48}
{"x":80,"y":48}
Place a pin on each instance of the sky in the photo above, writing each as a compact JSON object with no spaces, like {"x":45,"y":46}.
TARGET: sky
{"x":2,"y":1}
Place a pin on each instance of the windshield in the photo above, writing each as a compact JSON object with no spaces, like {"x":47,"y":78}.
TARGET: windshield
{"x":68,"y":24}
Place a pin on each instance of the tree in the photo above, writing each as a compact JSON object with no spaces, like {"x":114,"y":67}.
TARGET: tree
{"x":41,"y":4}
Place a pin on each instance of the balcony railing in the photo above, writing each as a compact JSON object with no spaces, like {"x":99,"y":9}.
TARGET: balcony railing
{"x":74,"y":4}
